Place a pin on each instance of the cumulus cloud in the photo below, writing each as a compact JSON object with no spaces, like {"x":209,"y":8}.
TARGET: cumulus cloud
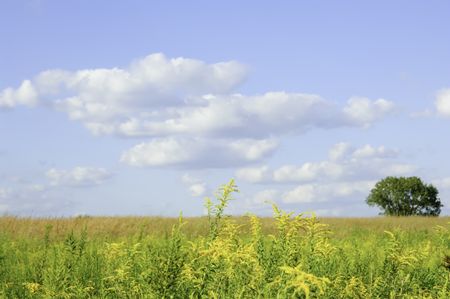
{"x":254,"y":174}
{"x":236,"y":118}
{"x":441,"y":106}
{"x":442,"y":102}
{"x":106,"y":94}
{"x":370,"y":152}
{"x":157,"y":96}
{"x":308,"y":172}
{"x":363,"y":111}
{"x":196,"y":187}
{"x":188,"y":110}
{"x":339,"y":151}
{"x":197,"y":190}
{"x":198,"y":152}
{"x":237,"y":115}
{"x":24,"y":95}
{"x":312,"y":193}
{"x":332,"y":185}
{"x":78,"y":176}
{"x":345,"y":162}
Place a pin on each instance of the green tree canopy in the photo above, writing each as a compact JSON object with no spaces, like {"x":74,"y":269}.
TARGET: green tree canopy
{"x":404,"y":196}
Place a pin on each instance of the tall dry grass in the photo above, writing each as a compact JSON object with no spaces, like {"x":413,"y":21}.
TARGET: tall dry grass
{"x":287,"y":256}
{"x":125,"y":227}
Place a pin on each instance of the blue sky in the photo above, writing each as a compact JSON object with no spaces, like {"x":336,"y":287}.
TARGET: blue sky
{"x":145,"y":107}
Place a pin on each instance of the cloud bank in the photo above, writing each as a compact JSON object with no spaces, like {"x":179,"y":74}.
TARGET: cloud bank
{"x":344,"y":162}
{"x":188,"y":110}
{"x":198,"y":152}
{"x":346,"y":177}
{"x":78,"y":176}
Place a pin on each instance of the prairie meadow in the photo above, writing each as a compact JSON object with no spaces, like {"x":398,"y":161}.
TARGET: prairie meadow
{"x":217,"y":256}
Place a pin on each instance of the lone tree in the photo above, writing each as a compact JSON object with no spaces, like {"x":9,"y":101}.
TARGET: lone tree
{"x":404,"y":196}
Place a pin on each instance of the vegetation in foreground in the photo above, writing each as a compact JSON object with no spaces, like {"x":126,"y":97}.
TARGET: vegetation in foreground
{"x":290,"y":256}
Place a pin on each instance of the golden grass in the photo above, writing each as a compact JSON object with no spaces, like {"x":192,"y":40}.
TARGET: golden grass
{"x":125,"y":227}
{"x":157,"y":257}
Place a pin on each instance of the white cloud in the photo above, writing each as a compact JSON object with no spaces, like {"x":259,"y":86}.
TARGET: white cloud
{"x":345,"y":162}
{"x":368,"y":151}
{"x":188,"y":110}
{"x":363,"y":111}
{"x":331,"y":185}
{"x":250,"y":149}
{"x":78,"y":176}
{"x":307,"y":172}
{"x":24,"y":95}
{"x":197,"y":190}
{"x":272,"y":113}
{"x":198,"y":152}
{"x":254,"y":174}
{"x":311,"y":193}
{"x":196,"y":186}
{"x":339,"y":151}
{"x":160,"y":152}
{"x":302,"y":194}
{"x":160,"y":97}
{"x":98,"y":95}
{"x":442,"y":102}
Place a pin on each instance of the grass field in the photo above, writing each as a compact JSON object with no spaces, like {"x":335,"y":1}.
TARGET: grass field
{"x":287,"y":256}
{"x":115,"y":228}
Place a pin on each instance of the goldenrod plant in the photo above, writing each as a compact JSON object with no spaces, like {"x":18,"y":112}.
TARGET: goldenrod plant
{"x":218,"y":256}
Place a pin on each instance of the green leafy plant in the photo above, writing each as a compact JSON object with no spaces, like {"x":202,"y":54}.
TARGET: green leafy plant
{"x":401,"y":196}
{"x":287,"y":256}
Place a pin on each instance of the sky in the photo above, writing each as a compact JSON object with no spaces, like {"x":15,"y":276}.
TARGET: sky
{"x":147,"y":107}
